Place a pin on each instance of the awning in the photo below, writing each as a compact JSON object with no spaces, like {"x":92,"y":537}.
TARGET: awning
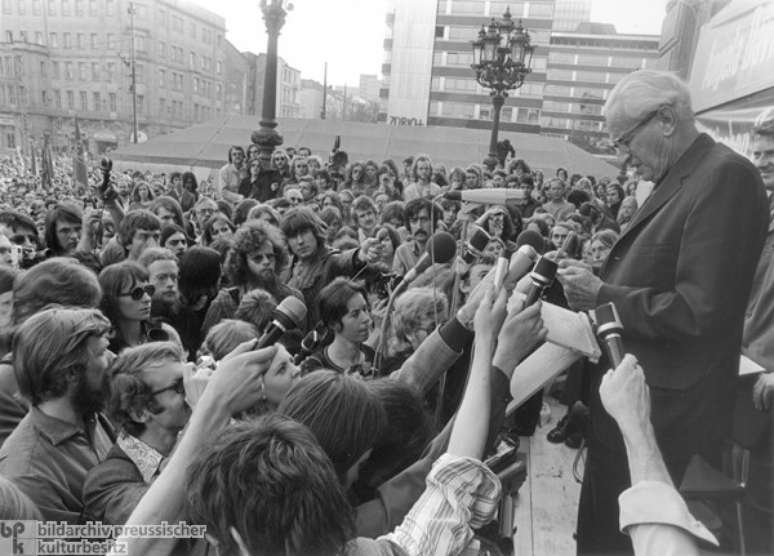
{"x":104,"y":136}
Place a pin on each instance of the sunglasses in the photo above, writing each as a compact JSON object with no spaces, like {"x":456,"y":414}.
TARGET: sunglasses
{"x":139,"y":291}
{"x":178,"y":387}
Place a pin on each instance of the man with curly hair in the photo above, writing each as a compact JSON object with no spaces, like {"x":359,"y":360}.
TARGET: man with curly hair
{"x":256,"y":260}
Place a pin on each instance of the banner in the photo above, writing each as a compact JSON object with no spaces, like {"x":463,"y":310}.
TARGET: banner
{"x":46,"y":165}
{"x":80,"y":173}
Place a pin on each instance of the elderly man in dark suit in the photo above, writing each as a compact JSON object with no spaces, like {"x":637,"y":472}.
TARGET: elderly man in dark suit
{"x":680,"y":276}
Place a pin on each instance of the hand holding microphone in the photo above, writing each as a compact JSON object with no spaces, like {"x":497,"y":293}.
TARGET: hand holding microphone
{"x":441,"y":248}
{"x":289,"y":314}
{"x":609,"y":332}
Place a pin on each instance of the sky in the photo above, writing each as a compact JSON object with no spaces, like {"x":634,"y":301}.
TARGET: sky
{"x":349,"y":34}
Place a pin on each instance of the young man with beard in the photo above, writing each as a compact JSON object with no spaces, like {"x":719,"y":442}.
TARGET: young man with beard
{"x":420,"y":213}
{"x":147,"y":400}
{"x":365,"y":212}
{"x":64,"y":434}
{"x":257,"y":256}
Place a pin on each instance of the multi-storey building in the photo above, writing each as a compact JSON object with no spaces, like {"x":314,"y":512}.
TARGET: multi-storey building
{"x":237,"y":69}
{"x":428,"y":53}
{"x":583,"y":66}
{"x":288,"y":86}
{"x":72,"y":57}
{"x":568,"y":14}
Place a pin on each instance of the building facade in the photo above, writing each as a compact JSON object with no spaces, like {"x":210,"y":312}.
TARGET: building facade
{"x":369,"y":87}
{"x":288,"y":86}
{"x":680,"y":32}
{"x":583,"y":66}
{"x":73,"y":57}
{"x":427,"y":75}
{"x":568,"y":14}
{"x":237,"y":70}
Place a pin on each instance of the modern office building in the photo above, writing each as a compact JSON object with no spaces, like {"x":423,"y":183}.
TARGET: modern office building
{"x":680,"y":32}
{"x":288,"y":86}
{"x":583,"y":66}
{"x":427,"y":74}
{"x":63,"y":58}
{"x":568,"y":14}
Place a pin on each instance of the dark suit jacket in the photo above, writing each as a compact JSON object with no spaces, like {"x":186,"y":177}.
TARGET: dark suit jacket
{"x":680,"y":275}
{"x":112,"y":489}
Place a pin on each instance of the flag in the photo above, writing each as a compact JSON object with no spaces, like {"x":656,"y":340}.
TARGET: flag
{"x":80,"y":174}
{"x":46,"y":165}
{"x":22,"y":166}
{"x":33,"y":162}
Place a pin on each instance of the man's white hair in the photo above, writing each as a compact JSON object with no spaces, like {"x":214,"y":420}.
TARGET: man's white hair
{"x":645,"y":90}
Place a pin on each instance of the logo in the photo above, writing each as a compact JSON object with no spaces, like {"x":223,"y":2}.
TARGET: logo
{"x":18,"y":538}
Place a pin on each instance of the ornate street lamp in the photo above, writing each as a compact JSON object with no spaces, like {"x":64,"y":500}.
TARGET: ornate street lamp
{"x":502,"y":58}
{"x":267,"y":138}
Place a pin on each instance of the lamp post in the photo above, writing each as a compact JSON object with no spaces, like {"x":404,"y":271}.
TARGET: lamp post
{"x":266,"y":137}
{"x":502,"y":56}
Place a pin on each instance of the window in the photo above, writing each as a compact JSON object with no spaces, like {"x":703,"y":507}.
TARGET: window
{"x":55,"y":70}
{"x":140,"y":43}
{"x":58,"y":98}
{"x":561,"y":57}
{"x":21,"y":7}
{"x":164,"y":18}
{"x":44,"y":97}
{"x":463,"y":33}
{"x":218,"y":67}
{"x":162,"y":49}
{"x":558,"y":90}
{"x":52,"y":41}
{"x":112,"y":102}
{"x":592,"y":76}
{"x":439,"y":31}
{"x":94,"y":71}
{"x":589,"y":109}
{"x":79,"y":8}
{"x":84,"y":101}
{"x":139,"y":71}
{"x":468,"y":8}
{"x":560,"y":75}
{"x":69,"y":71}
{"x":192,"y":60}
{"x":94,"y":41}
{"x":110,"y":41}
{"x":11,"y":94}
{"x":39,"y":38}
{"x":196,"y":112}
{"x":111,"y":70}
{"x":177,"y":24}
{"x":592,"y":60}
{"x":9,"y":36}
{"x":51,"y":7}
{"x":66,"y":7}
{"x":70,"y":100}
{"x":192,"y":29}
{"x":459,"y":109}
{"x":82,"y":71}
{"x":110,"y":7}
{"x":79,"y":41}
{"x":37,"y":7}
{"x":43,"y":69}
{"x":539,"y":64}
{"x":7,"y":7}
{"x":93,"y":11}
{"x":162,"y":107}
{"x":162,"y":78}
{"x":23,"y":36}
{"x":506,"y":114}
{"x":540,"y":10}
{"x":68,"y":43}
{"x":219,"y":90}
{"x":140,"y":104}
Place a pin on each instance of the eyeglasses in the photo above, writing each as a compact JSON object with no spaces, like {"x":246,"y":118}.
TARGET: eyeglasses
{"x":178,"y":387}
{"x":623,"y":141}
{"x":139,"y":291}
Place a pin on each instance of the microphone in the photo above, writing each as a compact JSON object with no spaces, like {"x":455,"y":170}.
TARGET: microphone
{"x":441,"y":248}
{"x":540,"y":278}
{"x":609,"y":330}
{"x":521,"y":263}
{"x":289,"y":314}
{"x":475,"y":245}
{"x":533,"y":239}
{"x":491,"y":196}
{"x":570,"y":246}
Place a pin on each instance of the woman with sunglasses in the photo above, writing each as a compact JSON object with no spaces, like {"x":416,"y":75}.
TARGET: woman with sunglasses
{"x":126,"y":301}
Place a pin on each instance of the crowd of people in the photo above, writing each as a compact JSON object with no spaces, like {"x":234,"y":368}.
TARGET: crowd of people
{"x":134,"y":387}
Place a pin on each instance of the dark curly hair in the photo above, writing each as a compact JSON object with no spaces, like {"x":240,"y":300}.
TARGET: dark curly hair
{"x":247,"y":239}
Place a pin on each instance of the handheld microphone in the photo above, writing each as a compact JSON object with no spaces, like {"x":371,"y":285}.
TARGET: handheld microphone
{"x":475,"y":245}
{"x":491,"y":196}
{"x":440,"y":249}
{"x":289,"y":314}
{"x":522,"y":262}
{"x":540,"y":278}
{"x":609,"y":330}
